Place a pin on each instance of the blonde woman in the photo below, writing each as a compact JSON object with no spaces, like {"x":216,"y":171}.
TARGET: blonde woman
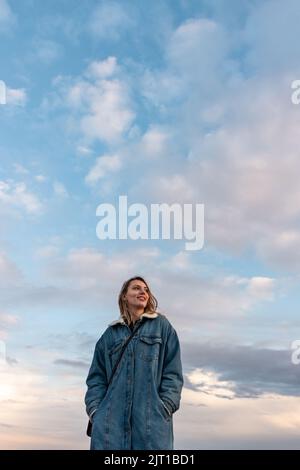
{"x":133,"y":407}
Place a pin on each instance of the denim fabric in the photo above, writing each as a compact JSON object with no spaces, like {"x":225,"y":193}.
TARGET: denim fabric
{"x":136,"y":411}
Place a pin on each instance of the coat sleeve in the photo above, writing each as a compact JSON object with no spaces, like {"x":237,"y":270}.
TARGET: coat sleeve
{"x":172,"y":377}
{"x":97,"y":380}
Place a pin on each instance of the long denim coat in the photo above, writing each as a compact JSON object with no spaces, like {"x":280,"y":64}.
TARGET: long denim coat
{"x":136,"y":410}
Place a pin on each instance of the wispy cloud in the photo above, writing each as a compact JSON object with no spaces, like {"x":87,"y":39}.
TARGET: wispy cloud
{"x":109,"y":20}
{"x":72,"y":363}
{"x":104,"y":165}
{"x":16,"y":96}
{"x":16,"y":194}
{"x":46,"y":51}
{"x":7,"y":18}
{"x":59,"y":189}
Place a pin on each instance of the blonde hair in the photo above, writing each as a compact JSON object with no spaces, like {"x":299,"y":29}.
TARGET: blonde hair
{"x":123,"y":306}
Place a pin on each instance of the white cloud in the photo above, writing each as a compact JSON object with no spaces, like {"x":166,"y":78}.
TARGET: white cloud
{"x":196,"y":64}
{"x":242,"y":164}
{"x":59,"y":189}
{"x":16,"y":194}
{"x":262,"y":287}
{"x":20,"y":169}
{"x":197,"y":43}
{"x":103,"y":69}
{"x":154,"y":143}
{"x":104,"y":106}
{"x":104,"y":165}
{"x":83,"y":150}
{"x":40,"y":178}
{"x":110,"y":115}
{"x":209,"y":382}
{"x":109,"y":20}
{"x":258,"y":287}
{"x":16,"y":96}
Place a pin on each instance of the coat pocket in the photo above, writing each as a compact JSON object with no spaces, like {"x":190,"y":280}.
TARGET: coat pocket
{"x":165,"y":410}
{"x":149,"y":347}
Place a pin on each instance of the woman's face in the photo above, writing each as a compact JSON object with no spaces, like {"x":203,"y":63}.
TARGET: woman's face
{"x":137,"y":294}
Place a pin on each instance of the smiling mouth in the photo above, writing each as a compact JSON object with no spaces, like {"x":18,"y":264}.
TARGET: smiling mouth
{"x":142,"y":298}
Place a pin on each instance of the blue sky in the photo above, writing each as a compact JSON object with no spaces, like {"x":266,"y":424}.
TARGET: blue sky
{"x":165,"y":102}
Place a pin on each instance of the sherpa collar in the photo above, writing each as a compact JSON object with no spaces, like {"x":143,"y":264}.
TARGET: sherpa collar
{"x":122,"y":322}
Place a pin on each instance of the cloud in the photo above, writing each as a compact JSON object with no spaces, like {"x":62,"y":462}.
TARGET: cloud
{"x":262,"y":287}
{"x":109,"y":115}
{"x":206,"y":300}
{"x":59,"y":189}
{"x":46,"y":51}
{"x":210,"y":422}
{"x":101,"y":102}
{"x":20,"y":169}
{"x":7,"y":18}
{"x":155,"y":143}
{"x":47,"y":251}
{"x":209,"y":382}
{"x":71,"y":363}
{"x":212,"y":110}
{"x":7,"y":319}
{"x":240,"y":371}
{"x":77,"y":279}
{"x":83,"y":150}
{"x":283,"y":251}
{"x":103,"y":69}
{"x":195,"y":64}
{"x":109,"y":21}
{"x":7,"y":322}
{"x":197,"y":44}
{"x":40,"y":178}
{"x":176,"y":188}
{"x":16,"y":194}
{"x":104,"y":165}
{"x":16,"y":96}
{"x":25,"y":413}
{"x":51,"y":249}
{"x":204,"y":420}
{"x":10,"y":274}
{"x":236,"y":140}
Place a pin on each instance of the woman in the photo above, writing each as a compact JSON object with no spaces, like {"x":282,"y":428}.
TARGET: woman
{"x":136,"y":410}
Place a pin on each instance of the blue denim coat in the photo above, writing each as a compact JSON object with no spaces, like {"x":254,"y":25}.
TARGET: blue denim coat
{"x":136,"y":410}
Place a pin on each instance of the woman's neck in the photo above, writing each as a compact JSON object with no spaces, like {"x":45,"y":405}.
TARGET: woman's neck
{"x":136,"y":314}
